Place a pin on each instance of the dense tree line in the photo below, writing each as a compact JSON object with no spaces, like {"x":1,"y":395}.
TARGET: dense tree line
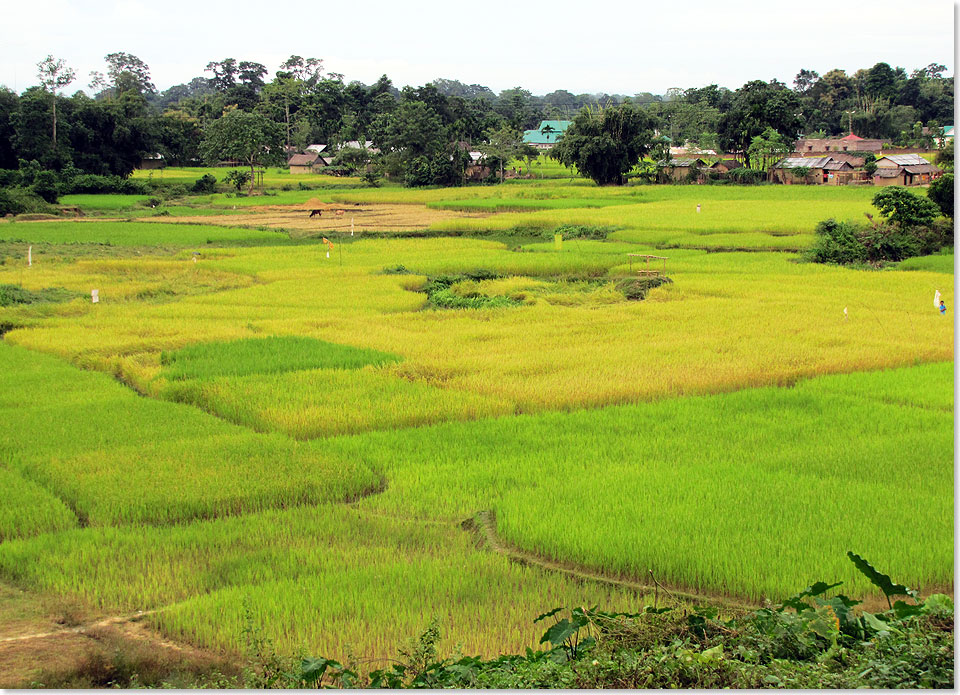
{"x":420,"y":131}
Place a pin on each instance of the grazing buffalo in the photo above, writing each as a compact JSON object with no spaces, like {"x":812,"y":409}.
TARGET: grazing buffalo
{"x":316,"y":213}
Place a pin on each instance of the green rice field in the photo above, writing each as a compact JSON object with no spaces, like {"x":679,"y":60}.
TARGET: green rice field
{"x":251,"y":423}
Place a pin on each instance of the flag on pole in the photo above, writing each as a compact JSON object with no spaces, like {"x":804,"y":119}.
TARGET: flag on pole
{"x":936,"y":300}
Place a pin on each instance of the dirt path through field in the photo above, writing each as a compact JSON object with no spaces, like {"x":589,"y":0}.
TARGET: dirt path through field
{"x":484,"y":525}
{"x":103,"y":622}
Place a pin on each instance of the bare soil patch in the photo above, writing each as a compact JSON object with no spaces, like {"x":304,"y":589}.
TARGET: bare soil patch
{"x":58,"y":644}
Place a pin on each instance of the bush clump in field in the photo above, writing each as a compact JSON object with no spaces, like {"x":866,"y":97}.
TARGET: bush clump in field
{"x":912,"y":226}
{"x":462,"y":292}
{"x":846,"y":243}
{"x":635,"y":289}
{"x":11,"y":295}
{"x":204,"y":185}
{"x":19,"y":201}
{"x":580,"y":231}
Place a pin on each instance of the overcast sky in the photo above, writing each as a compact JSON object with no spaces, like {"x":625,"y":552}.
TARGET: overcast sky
{"x":601,"y":46}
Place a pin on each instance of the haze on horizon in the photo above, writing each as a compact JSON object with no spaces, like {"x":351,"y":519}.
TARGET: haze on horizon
{"x":617,"y":48}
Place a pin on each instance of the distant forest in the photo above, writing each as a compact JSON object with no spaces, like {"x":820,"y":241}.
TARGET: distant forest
{"x":127,"y":117}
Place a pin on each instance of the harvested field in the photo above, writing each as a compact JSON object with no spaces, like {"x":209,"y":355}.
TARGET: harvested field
{"x":297,"y":219}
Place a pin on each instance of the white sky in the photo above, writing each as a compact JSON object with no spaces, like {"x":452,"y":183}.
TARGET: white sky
{"x":601,"y":46}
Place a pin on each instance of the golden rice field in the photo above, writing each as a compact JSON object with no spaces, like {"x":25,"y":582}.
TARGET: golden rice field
{"x":249,"y":419}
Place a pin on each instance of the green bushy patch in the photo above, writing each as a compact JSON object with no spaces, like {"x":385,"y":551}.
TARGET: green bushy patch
{"x":19,"y":201}
{"x":11,"y":295}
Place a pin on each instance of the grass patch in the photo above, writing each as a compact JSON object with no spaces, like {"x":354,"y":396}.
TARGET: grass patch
{"x":266,"y":356}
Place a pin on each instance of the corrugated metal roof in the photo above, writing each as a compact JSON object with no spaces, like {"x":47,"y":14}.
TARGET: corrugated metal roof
{"x":837,"y":166}
{"x":851,"y":137}
{"x":888,"y":173}
{"x":904,"y":159}
{"x":536,"y":137}
{"x":794,"y":162}
{"x":921,"y":169}
{"x":555,"y":125}
{"x":547,"y":133}
{"x":684,"y":162}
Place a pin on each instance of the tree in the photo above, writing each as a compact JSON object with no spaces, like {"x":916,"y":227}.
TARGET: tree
{"x":9,"y":105}
{"x":805,"y":79}
{"x":768,"y":148}
{"x":247,"y":137}
{"x":902,"y":207}
{"x":941,"y":193}
{"x":224,"y":73}
{"x":757,"y":106}
{"x":945,"y":156}
{"x":127,"y":73}
{"x":606,"y":144}
{"x":502,"y":145}
{"x":54,"y":75}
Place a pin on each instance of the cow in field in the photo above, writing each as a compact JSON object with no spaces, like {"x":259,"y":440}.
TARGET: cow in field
{"x":316,"y":213}
{"x":339,"y":213}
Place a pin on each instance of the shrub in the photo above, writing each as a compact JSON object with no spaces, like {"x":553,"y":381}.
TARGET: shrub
{"x":94,"y":183}
{"x":205,"y":184}
{"x":902,"y":207}
{"x":9,"y":178}
{"x":237,"y":177}
{"x":578,"y":231}
{"x":941,"y":193}
{"x":745,"y":175}
{"x":46,"y":186}
{"x":18,"y":201}
{"x":838,"y":242}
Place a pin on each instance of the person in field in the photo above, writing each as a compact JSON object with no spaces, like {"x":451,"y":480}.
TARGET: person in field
{"x":938,"y":303}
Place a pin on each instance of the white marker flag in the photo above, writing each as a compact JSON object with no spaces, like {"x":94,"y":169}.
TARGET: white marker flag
{"x":936,"y":300}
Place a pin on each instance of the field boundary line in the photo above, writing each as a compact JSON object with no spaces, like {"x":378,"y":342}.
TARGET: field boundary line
{"x":483,"y":525}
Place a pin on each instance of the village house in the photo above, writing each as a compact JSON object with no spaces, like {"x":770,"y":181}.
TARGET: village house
{"x":850,"y":143}
{"x":785,"y":171}
{"x":724,"y":166}
{"x":476,"y":170}
{"x":152,"y":161}
{"x":904,"y":170}
{"x":305,"y":163}
{"x":355,"y":145}
{"x":546,"y":135}
{"x":680,"y":169}
{"x":838,"y":172}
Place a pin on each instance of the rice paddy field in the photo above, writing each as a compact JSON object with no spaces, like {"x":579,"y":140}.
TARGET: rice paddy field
{"x":265,"y":414}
